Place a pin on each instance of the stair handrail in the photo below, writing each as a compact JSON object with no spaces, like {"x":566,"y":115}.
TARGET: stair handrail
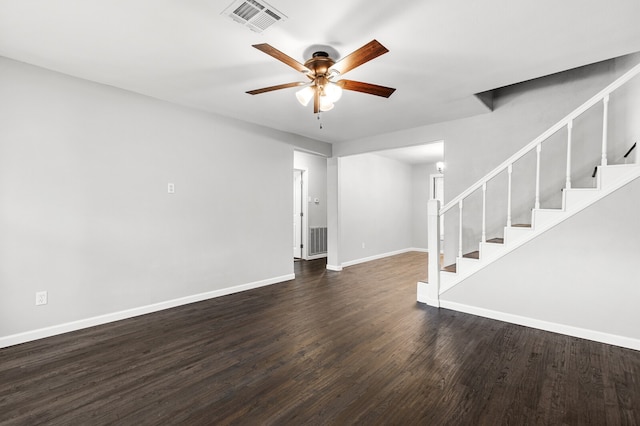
{"x":544,"y":136}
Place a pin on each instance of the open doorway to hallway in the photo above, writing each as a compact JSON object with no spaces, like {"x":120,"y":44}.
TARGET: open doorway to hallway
{"x":382,"y":198}
{"x":309,"y":206}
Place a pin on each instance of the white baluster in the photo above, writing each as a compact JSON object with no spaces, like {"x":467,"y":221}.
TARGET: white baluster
{"x":538,"y":149}
{"x":605,"y":127}
{"x":460,"y":235}
{"x":569,"y":133}
{"x":484,"y":212}
{"x":509,"y":172}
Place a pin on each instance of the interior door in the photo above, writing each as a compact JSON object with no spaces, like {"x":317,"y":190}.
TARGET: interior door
{"x":297,"y":213}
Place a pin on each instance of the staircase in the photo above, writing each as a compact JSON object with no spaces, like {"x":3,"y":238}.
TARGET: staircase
{"x":608,"y":178}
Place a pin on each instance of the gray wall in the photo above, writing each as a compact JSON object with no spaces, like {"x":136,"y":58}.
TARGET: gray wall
{"x":582,"y":273}
{"x":84,"y":209}
{"x":375,"y":206}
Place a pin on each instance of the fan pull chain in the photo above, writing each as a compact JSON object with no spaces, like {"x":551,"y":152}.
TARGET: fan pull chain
{"x":320,"y":121}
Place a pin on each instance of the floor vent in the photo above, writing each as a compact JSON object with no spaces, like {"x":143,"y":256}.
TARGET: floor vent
{"x":317,"y":240}
{"x":256,"y":15}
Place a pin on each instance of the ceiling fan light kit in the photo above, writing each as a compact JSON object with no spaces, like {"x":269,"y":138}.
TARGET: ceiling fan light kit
{"x":305,"y":95}
{"x":322,"y":71}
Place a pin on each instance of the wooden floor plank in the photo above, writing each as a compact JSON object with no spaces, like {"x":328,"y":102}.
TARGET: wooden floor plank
{"x":325,"y":348}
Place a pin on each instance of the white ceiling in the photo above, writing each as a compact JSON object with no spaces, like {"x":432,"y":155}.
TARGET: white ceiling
{"x":418,"y":154}
{"x":441,"y":52}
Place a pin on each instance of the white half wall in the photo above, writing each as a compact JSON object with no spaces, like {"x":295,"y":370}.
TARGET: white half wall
{"x":579,"y":278}
{"x":420,"y":175}
{"x":85,"y":213}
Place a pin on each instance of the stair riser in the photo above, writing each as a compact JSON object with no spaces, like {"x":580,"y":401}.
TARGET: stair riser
{"x":447,"y":280}
{"x":611,"y":176}
{"x":576,"y":199}
{"x":545,"y":217}
{"x":488,"y":250}
{"x":512,"y":235}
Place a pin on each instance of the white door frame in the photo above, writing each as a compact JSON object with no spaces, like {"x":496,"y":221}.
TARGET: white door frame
{"x":305,"y":211}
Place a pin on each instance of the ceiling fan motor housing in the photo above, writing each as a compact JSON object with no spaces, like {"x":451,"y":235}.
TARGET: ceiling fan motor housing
{"x":319,"y":64}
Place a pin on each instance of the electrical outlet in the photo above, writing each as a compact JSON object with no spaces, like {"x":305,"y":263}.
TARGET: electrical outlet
{"x":41,"y":298}
{"x":171,"y":188}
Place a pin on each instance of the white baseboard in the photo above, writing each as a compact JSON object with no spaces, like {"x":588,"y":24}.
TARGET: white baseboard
{"x":334,"y":268}
{"x":316,"y":256}
{"x":583,"y":333}
{"x":380,"y":256}
{"x":41,"y":333}
{"x":423,"y":295}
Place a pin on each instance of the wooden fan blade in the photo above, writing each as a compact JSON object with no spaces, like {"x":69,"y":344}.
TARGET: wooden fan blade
{"x":369,"y":51}
{"x":371,"y":89}
{"x":316,"y":101}
{"x":288,"y":60}
{"x":278,"y":87}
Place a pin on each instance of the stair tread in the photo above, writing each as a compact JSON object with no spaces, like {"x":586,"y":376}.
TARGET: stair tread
{"x":454,"y":267}
{"x":472,"y":255}
{"x":450,"y":268}
{"x":495,"y":241}
{"x":521,"y":225}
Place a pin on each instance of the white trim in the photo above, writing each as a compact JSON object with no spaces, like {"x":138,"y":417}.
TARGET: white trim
{"x":305,"y":213}
{"x":317,"y":256}
{"x":423,"y":295}
{"x":583,"y":333}
{"x":27,"y":336}
{"x":305,"y":210}
{"x":376,"y":257}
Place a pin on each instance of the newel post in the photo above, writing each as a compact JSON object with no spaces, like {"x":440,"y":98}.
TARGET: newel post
{"x":433,"y":241}
{"x":569,"y":136}
{"x":605,"y":131}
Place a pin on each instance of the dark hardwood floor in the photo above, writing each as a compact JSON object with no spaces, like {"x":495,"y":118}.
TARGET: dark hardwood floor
{"x":326,"y":348}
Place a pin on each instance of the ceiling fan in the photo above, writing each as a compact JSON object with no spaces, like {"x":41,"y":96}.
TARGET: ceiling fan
{"x":322,"y":72}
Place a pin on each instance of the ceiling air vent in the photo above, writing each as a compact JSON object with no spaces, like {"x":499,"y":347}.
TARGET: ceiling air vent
{"x":257,"y":15}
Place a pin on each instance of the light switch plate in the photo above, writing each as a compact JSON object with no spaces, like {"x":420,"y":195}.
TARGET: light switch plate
{"x":41,"y":298}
